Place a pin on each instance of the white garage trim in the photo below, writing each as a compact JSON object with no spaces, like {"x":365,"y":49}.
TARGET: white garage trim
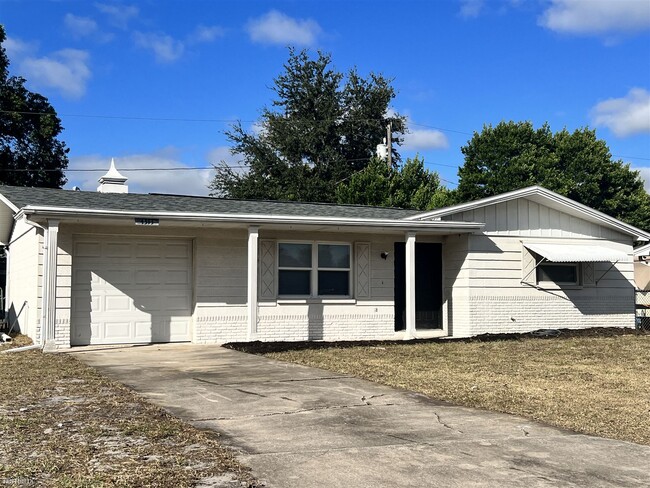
{"x":131,"y":290}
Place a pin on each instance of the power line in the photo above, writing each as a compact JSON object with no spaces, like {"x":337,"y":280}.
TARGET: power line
{"x":209,"y":120}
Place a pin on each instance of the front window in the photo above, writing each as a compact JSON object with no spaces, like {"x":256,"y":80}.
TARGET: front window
{"x":313,"y":269}
{"x":333,"y":269}
{"x":294,"y":269}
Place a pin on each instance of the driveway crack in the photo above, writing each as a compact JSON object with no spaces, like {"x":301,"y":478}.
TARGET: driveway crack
{"x":444,"y":424}
{"x":289,"y":380}
{"x":292,"y":412}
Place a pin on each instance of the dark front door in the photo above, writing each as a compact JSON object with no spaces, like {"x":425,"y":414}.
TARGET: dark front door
{"x":428,"y":286}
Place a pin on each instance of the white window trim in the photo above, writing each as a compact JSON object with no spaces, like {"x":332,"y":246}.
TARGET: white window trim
{"x":313,"y":272}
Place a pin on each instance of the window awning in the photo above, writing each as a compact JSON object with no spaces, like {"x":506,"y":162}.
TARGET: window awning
{"x":571,"y":253}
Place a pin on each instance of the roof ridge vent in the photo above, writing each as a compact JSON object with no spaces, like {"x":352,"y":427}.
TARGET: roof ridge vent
{"x":113,"y":181}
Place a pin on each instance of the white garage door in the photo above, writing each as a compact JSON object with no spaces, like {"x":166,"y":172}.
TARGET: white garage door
{"x":127,"y":290}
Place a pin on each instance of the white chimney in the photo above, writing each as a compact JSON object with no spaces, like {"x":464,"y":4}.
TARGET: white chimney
{"x":113,"y":181}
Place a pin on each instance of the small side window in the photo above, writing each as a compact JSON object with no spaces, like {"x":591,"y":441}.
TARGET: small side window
{"x":558,"y":273}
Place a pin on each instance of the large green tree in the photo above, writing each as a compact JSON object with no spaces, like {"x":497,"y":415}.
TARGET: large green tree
{"x":406,"y":186}
{"x":323,"y":127}
{"x":513,"y":155}
{"x":30,"y":152}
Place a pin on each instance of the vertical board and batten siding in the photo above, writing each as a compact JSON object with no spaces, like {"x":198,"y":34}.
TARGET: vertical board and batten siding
{"x":23,"y":273}
{"x":523,"y":217}
{"x":498,"y":301}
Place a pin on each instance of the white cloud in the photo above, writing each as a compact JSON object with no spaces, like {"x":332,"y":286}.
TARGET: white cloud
{"x":204,"y":33}
{"x":645,"y":176}
{"x":422,"y":139}
{"x":596,"y":16}
{"x":222,"y":153}
{"x":162,"y":180}
{"x":625,"y":116}
{"x":166,"y":49}
{"x":82,"y":27}
{"x":277,"y":28}
{"x":119,"y":15}
{"x":66,"y":70}
{"x":470,"y":8}
{"x":79,"y":26}
{"x":16,"y":48}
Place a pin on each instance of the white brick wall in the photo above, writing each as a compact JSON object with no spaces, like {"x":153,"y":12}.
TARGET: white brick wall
{"x":506,"y":314}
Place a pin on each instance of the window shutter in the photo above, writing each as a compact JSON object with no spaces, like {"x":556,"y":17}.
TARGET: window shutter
{"x":267,"y":269}
{"x":588,"y":274}
{"x":362,"y":269}
{"x":528,"y":272}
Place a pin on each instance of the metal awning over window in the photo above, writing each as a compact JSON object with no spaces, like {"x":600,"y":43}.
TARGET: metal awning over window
{"x":572,"y":253}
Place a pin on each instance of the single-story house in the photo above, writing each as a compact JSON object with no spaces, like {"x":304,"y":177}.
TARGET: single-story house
{"x":86,"y":267}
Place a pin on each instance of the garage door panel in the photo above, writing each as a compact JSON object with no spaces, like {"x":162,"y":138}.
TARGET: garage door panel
{"x":131,"y":291}
{"x":116,"y":303}
{"x":88,"y":249}
{"x":115,"y":277}
{"x":177,"y":304}
{"x":117,"y":250}
{"x":177,"y":251}
{"x":148,"y":277}
{"x":148,"y":250}
{"x":117,"y":329}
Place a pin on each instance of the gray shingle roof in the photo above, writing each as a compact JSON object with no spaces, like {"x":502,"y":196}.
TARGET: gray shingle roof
{"x":139,"y":202}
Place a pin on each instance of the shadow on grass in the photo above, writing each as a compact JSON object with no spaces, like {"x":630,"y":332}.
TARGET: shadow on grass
{"x":258,"y":347}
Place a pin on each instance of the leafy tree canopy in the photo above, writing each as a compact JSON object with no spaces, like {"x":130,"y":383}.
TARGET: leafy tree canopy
{"x":514,"y":155}
{"x":408,"y":186}
{"x":30,"y":153}
{"x":323,"y":127}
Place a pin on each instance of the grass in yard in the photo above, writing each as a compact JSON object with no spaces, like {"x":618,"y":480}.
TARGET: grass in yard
{"x":595,"y":382}
{"x":63,"y":424}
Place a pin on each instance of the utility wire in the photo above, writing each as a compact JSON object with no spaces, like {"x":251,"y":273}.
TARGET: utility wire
{"x":208,"y":120}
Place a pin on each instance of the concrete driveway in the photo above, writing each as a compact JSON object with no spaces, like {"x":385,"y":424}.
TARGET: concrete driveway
{"x":303,"y":427}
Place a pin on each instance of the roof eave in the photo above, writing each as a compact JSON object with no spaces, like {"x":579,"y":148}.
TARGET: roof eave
{"x":250,"y":219}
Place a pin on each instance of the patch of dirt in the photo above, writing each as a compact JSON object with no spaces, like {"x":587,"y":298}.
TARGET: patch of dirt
{"x":64,"y":424}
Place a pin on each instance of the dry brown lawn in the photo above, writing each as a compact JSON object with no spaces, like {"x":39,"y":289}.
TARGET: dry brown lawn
{"x":592,"y":384}
{"x":64,"y":424}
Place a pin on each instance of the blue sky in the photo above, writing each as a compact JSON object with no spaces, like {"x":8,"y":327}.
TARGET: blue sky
{"x":154,"y":84}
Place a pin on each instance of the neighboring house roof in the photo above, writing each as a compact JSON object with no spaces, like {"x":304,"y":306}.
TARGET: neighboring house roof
{"x":642,"y":251}
{"x":545,"y":197}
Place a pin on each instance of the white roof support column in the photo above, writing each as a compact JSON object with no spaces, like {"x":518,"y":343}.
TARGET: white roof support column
{"x":49,"y":285}
{"x":253,"y":238}
{"x":410,"y":286}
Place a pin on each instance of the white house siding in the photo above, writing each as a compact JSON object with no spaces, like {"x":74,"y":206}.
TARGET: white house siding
{"x":63,"y":287}
{"x":456,"y":284}
{"x":524,"y":217}
{"x":369,"y":317}
{"x":488,"y":296}
{"x":220,"y":312}
{"x":23,"y":268}
{"x":499,"y":302}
